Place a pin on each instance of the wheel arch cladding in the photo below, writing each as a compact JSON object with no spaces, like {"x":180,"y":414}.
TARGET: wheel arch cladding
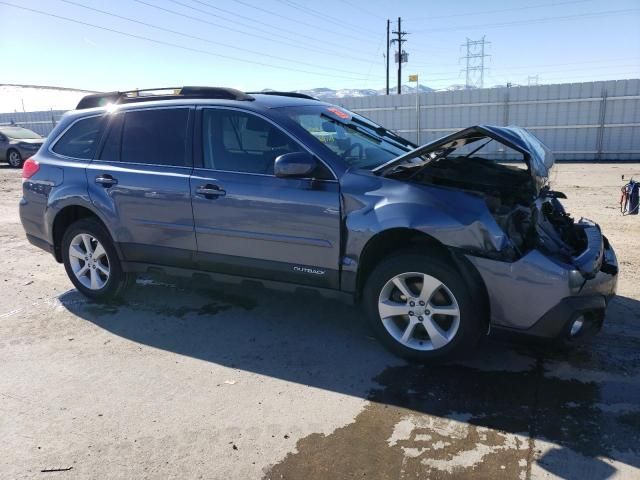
{"x":67,"y":216}
{"x":394,"y":240}
{"x":390,"y":241}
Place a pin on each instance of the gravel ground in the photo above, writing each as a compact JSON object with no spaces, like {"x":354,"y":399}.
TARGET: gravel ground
{"x":190,"y":379}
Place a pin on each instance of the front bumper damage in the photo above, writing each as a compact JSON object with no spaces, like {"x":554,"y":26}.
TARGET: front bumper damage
{"x":543,"y":297}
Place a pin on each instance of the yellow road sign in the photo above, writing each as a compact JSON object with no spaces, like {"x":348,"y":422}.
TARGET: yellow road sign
{"x":413,"y":78}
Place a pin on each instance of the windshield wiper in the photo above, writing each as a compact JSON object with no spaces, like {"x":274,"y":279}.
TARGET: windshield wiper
{"x":366,"y":131}
{"x":380,"y":130}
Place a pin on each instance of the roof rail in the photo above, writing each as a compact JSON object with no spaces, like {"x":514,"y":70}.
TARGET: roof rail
{"x":165,"y":93}
{"x":285,"y":94}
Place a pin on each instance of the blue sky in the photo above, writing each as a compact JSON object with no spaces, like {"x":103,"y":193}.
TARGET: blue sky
{"x":297,"y":44}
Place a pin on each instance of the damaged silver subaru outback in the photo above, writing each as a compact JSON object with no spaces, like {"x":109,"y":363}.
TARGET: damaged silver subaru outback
{"x":439,"y":243}
{"x":501,"y":246}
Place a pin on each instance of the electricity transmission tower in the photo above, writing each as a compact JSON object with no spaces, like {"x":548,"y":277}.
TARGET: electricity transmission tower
{"x":532,"y":80}
{"x":475,"y":62}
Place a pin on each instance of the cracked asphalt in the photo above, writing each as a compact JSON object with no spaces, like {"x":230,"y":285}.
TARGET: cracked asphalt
{"x":191,"y":379}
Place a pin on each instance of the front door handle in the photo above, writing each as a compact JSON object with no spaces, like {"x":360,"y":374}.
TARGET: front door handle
{"x":209,"y":190}
{"x":106,"y":180}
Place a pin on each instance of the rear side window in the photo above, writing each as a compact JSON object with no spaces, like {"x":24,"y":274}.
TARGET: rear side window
{"x":157,"y":137}
{"x":81,"y":139}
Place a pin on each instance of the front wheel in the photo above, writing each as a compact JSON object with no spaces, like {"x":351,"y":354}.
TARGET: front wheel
{"x":420,"y":308}
{"x":92,"y":262}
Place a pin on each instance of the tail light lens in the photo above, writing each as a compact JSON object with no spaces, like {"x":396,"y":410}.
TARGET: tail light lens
{"x":30,"y":168}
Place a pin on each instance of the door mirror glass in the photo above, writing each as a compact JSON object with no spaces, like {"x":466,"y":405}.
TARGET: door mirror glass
{"x":296,"y":164}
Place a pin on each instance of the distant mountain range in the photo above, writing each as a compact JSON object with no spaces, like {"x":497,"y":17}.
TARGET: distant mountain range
{"x":324,"y":93}
{"x":35,"y":97}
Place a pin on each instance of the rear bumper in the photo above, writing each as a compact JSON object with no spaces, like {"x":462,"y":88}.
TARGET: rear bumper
{"x":32,"y":218}
{"x":40,"y":243}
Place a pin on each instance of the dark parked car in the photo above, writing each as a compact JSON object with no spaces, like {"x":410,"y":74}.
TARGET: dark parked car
{"x":17,"y":144}
{"x":439,"y":243}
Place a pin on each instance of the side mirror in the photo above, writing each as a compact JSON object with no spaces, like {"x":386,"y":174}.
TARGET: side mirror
{"x":297,"y":164}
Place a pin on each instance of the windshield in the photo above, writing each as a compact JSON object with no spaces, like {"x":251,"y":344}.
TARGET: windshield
{"x":19,"y":133}
{"x":355,"y":139}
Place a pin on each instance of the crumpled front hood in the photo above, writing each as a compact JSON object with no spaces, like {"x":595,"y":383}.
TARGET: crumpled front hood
{"x":537,"y":155}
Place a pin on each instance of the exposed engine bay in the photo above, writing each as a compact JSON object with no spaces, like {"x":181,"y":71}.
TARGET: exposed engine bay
{"x":530,"y":220}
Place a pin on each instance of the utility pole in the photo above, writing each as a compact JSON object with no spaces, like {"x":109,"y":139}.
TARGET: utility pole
{"x":475,"y":62}
{"x":388,"y":27}
{"x":401,"y":55}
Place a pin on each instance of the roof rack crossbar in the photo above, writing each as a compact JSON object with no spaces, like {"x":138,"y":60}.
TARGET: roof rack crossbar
{"x":163,"y":93}
{"x":284,"y":94}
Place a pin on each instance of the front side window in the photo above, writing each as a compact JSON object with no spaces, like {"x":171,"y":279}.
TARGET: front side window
{"x":241,"y":142}
{"x":81,"y":139}
{"x":155,"y":136}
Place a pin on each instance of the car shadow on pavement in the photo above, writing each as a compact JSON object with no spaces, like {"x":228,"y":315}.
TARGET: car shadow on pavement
{"x":582,"y":403}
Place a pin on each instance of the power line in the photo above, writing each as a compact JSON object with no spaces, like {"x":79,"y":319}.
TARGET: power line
{"x":500,"y":10}
{"x":269,"y":25}
{"x":322,"y":15}
{"x":555,"y":79}
{"x":226,"y":27}
{"x":530,"y":21}
{"x":508,"y":71}
{"x":289,"y":39}
{"x":362,"y":10}
{"x":173,"y":45}
{"x":525,"y":67}
{"x":373,"y":61}
{"x":195,"y":37}
{"x":301,"y":22}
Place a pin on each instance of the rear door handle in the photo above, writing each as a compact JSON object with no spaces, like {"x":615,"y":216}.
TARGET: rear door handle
{"x":209,"y":190}
{"x":106,"y":180}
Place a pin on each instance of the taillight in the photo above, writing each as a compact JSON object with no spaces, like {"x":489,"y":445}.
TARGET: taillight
{"x":30,"y":168}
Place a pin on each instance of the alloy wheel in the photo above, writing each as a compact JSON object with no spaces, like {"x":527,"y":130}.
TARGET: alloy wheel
{"x":89,"y":261}
{"x":419,"y":311}
{"x":14,"y":158}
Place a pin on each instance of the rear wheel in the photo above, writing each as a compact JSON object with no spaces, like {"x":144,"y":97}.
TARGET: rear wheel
{"x":14,"y":158}
{"x":420,"y":308}
{"x":92,"y":262}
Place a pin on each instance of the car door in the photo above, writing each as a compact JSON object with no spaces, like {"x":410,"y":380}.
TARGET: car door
{"x":140,"y":180}
{"x":251,"y":223}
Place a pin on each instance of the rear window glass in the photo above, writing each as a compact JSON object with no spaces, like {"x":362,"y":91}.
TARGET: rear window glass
{"x":81,"y":139}
{"x":156,"y":137}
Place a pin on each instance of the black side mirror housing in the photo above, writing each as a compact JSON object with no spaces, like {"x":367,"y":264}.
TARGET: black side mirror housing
{"x":295,"y":165}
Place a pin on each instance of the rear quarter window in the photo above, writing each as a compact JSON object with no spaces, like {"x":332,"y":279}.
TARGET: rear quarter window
{"x":81,"y":139}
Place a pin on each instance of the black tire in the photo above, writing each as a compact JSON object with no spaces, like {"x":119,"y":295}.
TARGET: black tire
{"x":14,"y":159}
{"x":117,"y":281}
{"x":471,"y":323}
